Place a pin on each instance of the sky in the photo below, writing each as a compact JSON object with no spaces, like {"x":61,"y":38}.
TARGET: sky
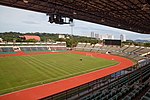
{"x":19,"y":20}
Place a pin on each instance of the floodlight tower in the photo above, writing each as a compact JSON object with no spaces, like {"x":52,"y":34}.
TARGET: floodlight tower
{"x":71,"y":25}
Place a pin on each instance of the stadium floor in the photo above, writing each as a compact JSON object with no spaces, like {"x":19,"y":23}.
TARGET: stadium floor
{"x":124,"y":63}
{"x":22,"y":72}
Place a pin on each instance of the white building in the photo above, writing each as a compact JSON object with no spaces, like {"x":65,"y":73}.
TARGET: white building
{"x":122,"y":37}
{"x":1,"y":40}
{"x":61,"y":36}
{"x":97,"y":36}
{"x":106,"y":36}
{"x":92,"y":34}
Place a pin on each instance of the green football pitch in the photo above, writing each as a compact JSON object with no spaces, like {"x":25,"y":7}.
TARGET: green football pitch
{"x":22,"y":72}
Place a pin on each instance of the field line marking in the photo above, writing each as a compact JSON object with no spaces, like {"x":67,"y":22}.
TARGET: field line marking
{"x":40,"y":66}
{"x":37,"y":70}
{"x":50,"y":65}
{"x":82,"y":73}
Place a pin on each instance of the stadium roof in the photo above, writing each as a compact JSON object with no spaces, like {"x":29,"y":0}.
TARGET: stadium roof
{"x":133,"y":15}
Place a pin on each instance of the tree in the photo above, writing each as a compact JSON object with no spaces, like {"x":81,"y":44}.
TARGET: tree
{"x":18,"y":40}
{"x":31,"y":40}
{"x":146,"y":44}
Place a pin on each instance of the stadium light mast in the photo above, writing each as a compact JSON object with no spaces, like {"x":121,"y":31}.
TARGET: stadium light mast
{"x":72,"y":25}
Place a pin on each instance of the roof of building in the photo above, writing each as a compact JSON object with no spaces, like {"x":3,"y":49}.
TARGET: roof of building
{"x":27,"y":37}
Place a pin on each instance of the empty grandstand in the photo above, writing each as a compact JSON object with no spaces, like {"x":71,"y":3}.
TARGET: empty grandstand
{"x":133,"y":52}
{"x":88,"y":47}
{"x":128,"y":78}
{"x":28,"y":47}
{"x":80,"y":46}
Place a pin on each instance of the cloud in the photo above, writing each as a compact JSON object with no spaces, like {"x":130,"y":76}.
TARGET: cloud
{"x":30,"y":22}
{"x":148,"y":38}
{"x":12,"y":19}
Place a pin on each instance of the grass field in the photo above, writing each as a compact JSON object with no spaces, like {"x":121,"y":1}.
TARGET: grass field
{"x":22,"y":72}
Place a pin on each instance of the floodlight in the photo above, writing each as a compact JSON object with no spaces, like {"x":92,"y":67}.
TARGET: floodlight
{"x":25,"y":1}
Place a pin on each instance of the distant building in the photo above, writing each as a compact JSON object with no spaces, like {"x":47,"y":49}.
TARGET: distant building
{"x":67,"y":37}
{"x":106,"y":36}
{"x":28,"y":37}
{"x":61,"y":36}
{"x":110,"y":37}
{"x":92,"y":34}
{"x":1,"y":40}
{"x":122,"y":37}
{"x":97,"y":36}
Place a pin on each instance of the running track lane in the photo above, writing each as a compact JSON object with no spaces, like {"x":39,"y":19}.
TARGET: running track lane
{"x":42,"y":91}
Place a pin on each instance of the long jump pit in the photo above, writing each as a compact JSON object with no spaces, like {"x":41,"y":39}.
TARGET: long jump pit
{"x":45,"y":90}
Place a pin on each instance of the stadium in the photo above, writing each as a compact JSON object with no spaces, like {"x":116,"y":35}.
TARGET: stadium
{"x":52,"y":71}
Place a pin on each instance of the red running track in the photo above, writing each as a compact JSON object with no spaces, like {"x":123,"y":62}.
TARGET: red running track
{"x":42,"y":91}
